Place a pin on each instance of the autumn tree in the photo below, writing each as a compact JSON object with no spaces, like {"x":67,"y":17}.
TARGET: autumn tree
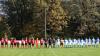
{"x":56,"y":16}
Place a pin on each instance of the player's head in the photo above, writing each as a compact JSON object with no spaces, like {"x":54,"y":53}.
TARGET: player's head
{"x":32,"y":38}
{"x":2,"y":38}
{"x":37,"y":38}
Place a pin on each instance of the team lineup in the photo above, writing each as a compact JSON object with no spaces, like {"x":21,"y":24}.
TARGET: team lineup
{"x":49,"y":43}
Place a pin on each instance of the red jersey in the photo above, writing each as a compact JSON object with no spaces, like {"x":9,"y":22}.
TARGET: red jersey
{"x":29,"y":40}
{"x":26,"y":41}
{"x":2,"y":41}
{"x":37,"y":41}
{"x":14,"y":40}
{"x":6,"y":40}
{"x":11,"y":41}
{"x":32,"y":41}
{"x":23,"y":41}
{"x":41,"y":41}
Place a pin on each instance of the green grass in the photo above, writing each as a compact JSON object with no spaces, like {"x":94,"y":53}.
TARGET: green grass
{"x":50,"y":52}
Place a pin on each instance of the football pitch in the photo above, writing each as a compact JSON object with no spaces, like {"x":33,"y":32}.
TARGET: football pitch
{"x":50,"y":52}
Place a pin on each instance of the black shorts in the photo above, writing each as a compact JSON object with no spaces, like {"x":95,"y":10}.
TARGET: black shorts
{"x":41,"y":43}
{"x":14,"y":43}
{"x":29,"y":43}
{"x":25,"y":43}
{"x":6,"y":43}
{"x":45,"y":43}
{"x":11,"y":43}
{"x":49,"y":43}
{"x":61,"y":43}
{"x":32,"y":44}
{"x":2,"y":43}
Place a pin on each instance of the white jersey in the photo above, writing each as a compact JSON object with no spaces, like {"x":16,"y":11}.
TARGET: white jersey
{"x":82,"y":42}
{"x":89,"y":43}
{"x":66,"y":42}
{"x":97,"y":42}
{"x":93,"y":41}
{"x":58,"y":41}
{"x":79,"y":42}
{"x":70,"y":42}
{"x":86,"y":41}
{"x":75,"y":41}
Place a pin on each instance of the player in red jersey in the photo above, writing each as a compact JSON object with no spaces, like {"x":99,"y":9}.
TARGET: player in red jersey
{"x":37,"y":41}
{"x":2,"y":43}
{"x":29,"y":42}
{"x":6,"y":42}
{"x":23,"y":43}
{"x":6,"y":39}
{"x":26,"y":42}
{"x":14,"y":43}
{"x":32,"y":42}
{"x":11,"y":42}
{"x":41,"y":42}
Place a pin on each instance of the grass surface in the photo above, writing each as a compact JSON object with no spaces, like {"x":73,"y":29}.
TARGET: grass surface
{"x":50,"y":52}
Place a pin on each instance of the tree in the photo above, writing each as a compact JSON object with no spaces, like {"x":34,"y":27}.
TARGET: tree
{"x":20,"y":13}
{"x":56,"y":16}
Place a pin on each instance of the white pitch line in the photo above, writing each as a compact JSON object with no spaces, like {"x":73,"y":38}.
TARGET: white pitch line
{"x":53,"y":52}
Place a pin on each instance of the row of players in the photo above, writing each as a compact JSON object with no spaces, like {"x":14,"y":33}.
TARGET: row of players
{"x":50,"y":42}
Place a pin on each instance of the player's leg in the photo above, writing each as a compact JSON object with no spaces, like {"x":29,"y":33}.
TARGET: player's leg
{"x":86,"y":44}
{"x":6,"y":45}
{"x":15,"y":45}
{"x":21,"y":45}
{"x":25,"y":45}
{"x":46,"y":45}
{"x":49,"y":45}
{"x":97,"y":44}
{"x":78,"y":45}
{"x":41,"y":45}
{"x":81,"y":45}
{"x":32,"y":45}
{"x":69,"y":45}
{"x":11,"y":45}
{"x":36,"y":45}
{"x":29,"y":45}
{"x":2,"y":45}
{"x":62,"y":45}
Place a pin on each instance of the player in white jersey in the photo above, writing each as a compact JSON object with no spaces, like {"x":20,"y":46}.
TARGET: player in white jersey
{"x":89,"y":42}
{"x":79,"y":42}
{"x":70,"y":43}
{"x":58,"y":42}
{"x":75,"y":43}
{"x":86,"y":42}
{"x":82,"y":43}
{"x":97,"y":42}
{"x":65,"y":43}
{"x":93,"y":42}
